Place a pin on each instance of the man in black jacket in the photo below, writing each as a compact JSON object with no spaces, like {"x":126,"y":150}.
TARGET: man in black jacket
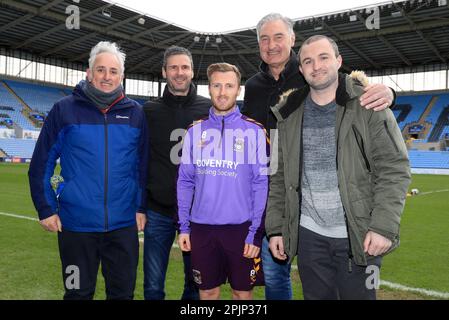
{"x":279,"y":72}
{"x":167,"y":118}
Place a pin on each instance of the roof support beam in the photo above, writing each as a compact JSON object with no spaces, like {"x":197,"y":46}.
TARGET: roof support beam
{"x":58,"y":28}
{"x":396,"y":51}
{"x":157,"y":65}
{"x":157,"y":57}
{"x":241,"y":56}
{"x":89,"y":36}
{"x":385,"y":41}
{"x":420,"y":34}
{"x":352,"y":47}
{"x":136,"y":52}
{"x":91,"y":27}
{"x":16,"y":22}
{"x":28,"y":16}
{"x":145,"y":61}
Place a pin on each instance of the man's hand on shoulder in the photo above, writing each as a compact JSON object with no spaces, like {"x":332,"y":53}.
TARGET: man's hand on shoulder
{"x":377,"y":96}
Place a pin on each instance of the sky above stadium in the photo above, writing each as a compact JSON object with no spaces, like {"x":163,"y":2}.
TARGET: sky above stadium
{"x":221,"y":16}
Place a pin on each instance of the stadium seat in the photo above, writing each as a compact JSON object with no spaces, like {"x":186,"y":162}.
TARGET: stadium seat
{"x":418,"y":104}
{"x":12,"y":107}
{"x":18,"y":147}
{"x":429,"y":159}
{"x":38,"y":97}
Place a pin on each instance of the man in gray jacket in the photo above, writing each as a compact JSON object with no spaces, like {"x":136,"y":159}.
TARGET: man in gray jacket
{"x":342,"y":178}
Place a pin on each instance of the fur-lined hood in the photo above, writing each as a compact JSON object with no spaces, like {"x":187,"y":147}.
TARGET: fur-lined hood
{"x":349,"y":87}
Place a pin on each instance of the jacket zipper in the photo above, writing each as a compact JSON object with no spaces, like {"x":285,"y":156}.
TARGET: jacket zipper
{"x":350,"y":255}
{"x":391,"y":137}
{"x":222,"y":130}
{"x":106,"y":226}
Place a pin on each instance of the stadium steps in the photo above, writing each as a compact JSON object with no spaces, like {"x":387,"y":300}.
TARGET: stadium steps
{"x":443,"y":121}
{"x":401,"y":112}
{"x":429,"y":107}
{"x":9,"y":99}
{"x":3,"y":154}
{"x":427,"y":128}
{"x":13,"y":93}
{"x":418,"y":104}
{"x":26,"y":110}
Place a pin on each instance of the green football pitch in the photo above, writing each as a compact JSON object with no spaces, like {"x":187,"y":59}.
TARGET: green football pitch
{"x":30,"y":266}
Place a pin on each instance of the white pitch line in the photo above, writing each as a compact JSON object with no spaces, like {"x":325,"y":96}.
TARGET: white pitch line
{"x":430,"y":192}
{"x":397,"y":286}
{"x":437,"y":294}
{"x":17,"y":216}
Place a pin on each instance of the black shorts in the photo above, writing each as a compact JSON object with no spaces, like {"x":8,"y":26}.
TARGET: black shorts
{"x":217,"y":257}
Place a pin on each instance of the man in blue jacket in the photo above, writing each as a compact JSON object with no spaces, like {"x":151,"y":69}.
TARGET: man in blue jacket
{"x":100,"y":136}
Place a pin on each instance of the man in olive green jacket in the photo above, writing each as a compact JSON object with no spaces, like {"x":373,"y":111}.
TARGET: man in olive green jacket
{"x":343,"y":190}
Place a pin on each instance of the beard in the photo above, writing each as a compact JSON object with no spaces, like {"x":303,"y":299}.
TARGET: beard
{"x":223,"y":107}
{"x":323,"y":84}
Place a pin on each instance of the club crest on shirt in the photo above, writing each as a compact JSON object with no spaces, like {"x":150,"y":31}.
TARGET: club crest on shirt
{"x":239,"y":145}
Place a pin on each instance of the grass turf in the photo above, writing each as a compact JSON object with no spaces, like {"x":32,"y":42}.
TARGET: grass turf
{"x":30,"y":265}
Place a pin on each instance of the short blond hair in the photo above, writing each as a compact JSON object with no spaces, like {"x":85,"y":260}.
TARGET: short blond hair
{"x":223,"y":67}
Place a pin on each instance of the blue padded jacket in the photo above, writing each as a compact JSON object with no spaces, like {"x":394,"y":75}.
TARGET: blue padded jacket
{"x":103,"y":160}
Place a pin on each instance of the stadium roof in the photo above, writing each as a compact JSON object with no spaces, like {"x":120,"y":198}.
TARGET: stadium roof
{"x":412,"y":35}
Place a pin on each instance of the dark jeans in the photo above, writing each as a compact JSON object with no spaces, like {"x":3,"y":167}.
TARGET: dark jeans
{"x":323,"y":265}
{"x":278,"y":285}
{"x":160,"y":232}
{"x":81,"y":254}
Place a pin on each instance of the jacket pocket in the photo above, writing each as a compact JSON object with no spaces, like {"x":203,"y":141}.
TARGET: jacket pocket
{"x":362,"y":210}
{"x":390,"y":136}
{"x":64,"y":191}
{"x":361,"y":146}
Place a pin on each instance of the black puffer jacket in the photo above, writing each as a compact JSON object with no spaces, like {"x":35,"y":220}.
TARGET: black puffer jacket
{"x":164,"y":116}
{"x":262,"y":91}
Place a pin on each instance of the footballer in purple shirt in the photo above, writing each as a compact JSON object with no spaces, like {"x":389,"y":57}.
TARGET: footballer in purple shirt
{"x":222,"y":192}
